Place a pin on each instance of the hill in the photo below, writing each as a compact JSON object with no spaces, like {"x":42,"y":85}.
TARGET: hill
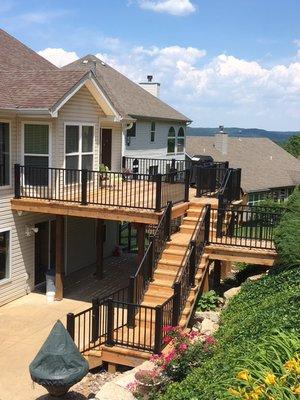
{"x":276,"y":136}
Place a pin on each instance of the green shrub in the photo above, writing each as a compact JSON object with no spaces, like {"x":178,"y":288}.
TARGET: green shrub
{"x":260,"y":309}
{"x":287,"y":237}
{"x":208,"y":301}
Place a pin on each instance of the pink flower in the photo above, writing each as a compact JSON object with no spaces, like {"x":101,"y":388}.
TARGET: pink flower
{"x":167,"y":328}
{"x":183,"y":347}
{"x":167,"y":339}
{"x":170,"y":356}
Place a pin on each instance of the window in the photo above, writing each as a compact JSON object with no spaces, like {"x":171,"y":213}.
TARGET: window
{"x":4,"y":154}
{"x":180,"y":140}
{"x":132,"y":131}
{"x":152,"y":132}
{"x":171,"y":140}
{"x":4,"y":255}
{"x":36,"y":153}
{"x":79,"y":145}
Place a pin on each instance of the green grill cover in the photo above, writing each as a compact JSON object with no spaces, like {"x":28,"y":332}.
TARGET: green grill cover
{"x":58,"y":363}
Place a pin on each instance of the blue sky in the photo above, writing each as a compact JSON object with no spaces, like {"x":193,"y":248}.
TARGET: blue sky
{"x":231,"y":62}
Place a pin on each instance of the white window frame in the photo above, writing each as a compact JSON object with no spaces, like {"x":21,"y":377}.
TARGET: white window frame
{"x":152,"y":131}
{"x":80,"y":153}
{"x":8,"y":279}
{"x":180,"y":137}
{"x":171,"y":137}
{"x":9,"y":186}
{"x":49,"y":141}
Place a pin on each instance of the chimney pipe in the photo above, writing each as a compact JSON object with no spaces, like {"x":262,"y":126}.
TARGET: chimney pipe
{"x":150,"y":86}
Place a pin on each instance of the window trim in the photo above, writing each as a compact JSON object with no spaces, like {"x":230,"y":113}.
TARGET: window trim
{"x":8,"y":279}
{"x":180,"y":137}
{"x":9,"y":186}
{"x":80,"y":154}
{"x":49,"y":141}
{"x":172,"y":137}
{"x":152,"y":131}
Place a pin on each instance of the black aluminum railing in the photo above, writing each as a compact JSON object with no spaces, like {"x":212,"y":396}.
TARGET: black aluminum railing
{"x":246,"y":226}
{"x":209,"y":179}
{"x":117,"y":189}
{"x":139,"y":282}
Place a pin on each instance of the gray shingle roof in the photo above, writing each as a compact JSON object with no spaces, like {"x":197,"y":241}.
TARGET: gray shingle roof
{"x":264,"y":164}
{"x":128,"y":98}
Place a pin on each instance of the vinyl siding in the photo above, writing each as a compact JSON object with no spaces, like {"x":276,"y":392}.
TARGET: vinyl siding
{"x":140,"y":145}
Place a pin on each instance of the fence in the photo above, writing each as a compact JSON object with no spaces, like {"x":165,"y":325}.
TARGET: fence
{"x":116,"y":189}
{"x":154,"y":166}
{"x":209,"y":179}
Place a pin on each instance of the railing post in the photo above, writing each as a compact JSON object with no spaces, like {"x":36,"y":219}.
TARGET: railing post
{"x":187,"y":185}
{"x":172,"y":171}
{"x":158,"y":329}
{"x":207,"y":224}
{"x":192,"y":269}
{"x":131,"y":301}
{"x":71,"y":325}
{"x":220,"y":215}
{"x":158,"y":179}
{"x":176,"y":303}
{"x":151,"y":259}
{"x":198,"y":180}
{"x":84,"y":176}
{"x":238,"y":183}
{"x":95,"y":319}
{"x":110,"y":323}
{"x":168,"y":221}
{"x":123,"y":162}
{"x":17,"y":181}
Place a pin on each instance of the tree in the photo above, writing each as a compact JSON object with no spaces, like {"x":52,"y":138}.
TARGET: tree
{"x":292,"y":145}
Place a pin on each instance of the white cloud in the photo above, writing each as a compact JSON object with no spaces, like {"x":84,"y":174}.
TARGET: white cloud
{"x":58,"y":57}
{"x":173,"y":7}
{"x":222,"y":89}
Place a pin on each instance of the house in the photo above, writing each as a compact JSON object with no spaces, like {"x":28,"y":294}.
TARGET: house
{"x":54,"y":122}
{"x":267,"y":169}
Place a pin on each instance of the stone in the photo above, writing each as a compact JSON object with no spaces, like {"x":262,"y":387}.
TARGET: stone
{"x":113,"y":391}
{"x":209,"y":327}
{"x":231,"y":292}
{"x":255,"y":277}
{"x":214,"y":316}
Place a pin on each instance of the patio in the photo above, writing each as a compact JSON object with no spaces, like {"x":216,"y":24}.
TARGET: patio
{"x":25,"y":323}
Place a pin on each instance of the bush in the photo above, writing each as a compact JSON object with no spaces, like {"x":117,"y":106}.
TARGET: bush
{"x":208,"y":301}
{"x":287,"y":237}
{"x":260,"y":309}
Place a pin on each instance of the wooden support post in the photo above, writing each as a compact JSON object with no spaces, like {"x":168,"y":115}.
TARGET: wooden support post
{"x":59,"y":248}
{"x":225,"y":269}
{"x":140,"y":242}
{"x":206,"y":282}
{"x":217,"y":273}
{"x":99,"y":248}
{"x":111,"y":368}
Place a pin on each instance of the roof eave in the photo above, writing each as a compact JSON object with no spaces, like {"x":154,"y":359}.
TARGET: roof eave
{"x":169,"y":119}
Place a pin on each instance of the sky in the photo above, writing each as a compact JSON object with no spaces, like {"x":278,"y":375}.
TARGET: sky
{"x":220,"y":62}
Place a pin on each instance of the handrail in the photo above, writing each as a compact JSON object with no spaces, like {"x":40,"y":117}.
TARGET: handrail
{"x":139,"y":281}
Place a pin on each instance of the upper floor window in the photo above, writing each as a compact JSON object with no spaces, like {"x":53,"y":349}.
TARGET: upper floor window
{"x":132,"y":131}
{"x":152,"y":132}
{"x":180,"y":140}
{"x":4,"y":154}
{"x":4,"y":255}
{"x":79,"y":146}
{"x":36,"y":152}
{"x":171,"y":140}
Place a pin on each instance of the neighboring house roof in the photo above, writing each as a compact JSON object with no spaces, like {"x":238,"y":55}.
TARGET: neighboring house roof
{"x":128,"y":98}
{"x":264,"y":164}
{"x":15,"y":55}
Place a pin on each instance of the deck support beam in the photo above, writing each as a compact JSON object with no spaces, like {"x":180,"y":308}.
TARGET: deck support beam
{"x":99,"y":247}
{"x":141,"y":230}
{"x":217,"y":273}
{"x":59,"y":249}
{"x":225,"y":269}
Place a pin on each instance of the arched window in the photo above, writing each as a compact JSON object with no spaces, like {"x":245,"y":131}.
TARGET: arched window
{"x":171,"y":140}
{"x":180,"y":140}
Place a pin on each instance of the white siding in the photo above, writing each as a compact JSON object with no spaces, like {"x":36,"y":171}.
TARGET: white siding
{"x":141,"y":146}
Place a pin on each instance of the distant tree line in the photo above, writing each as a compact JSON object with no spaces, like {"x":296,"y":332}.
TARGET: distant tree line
{"x":292,"y":145}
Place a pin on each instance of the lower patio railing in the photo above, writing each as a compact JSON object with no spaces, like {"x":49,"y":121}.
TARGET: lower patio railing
{"x":116,"y":189}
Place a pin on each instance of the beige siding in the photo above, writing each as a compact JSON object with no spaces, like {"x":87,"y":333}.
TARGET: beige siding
{"x":82,"y":107}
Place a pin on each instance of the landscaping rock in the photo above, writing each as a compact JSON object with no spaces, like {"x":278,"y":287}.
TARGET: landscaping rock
{"x":209,"y":327}
{"x":255,"y":277}
{"x":214,"y":316}
{"x":232,"y":292}
{"x":113,"y":391}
